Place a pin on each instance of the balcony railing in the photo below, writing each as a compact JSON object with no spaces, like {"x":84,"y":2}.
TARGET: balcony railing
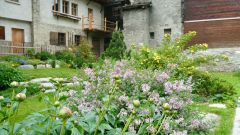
{"x":89,"y":24}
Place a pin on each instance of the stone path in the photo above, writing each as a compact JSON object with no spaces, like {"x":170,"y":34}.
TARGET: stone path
{"x":236,"y":126}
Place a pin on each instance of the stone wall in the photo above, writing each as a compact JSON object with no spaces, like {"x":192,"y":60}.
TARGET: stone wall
{"x":147,"y":25}
{"x":21,"y":10}
{"x":233,"y":64}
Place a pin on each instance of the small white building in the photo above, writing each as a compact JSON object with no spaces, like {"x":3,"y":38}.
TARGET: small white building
{"x":52,"y":25}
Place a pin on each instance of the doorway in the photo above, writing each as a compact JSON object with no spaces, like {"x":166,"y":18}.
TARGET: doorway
{"x":18,"y":40}
{"x":96,"y":46}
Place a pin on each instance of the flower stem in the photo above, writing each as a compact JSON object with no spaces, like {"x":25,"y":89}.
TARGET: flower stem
{"x":63,"y":126}
{"x":127,"y":124}
{"x":104,"y":111}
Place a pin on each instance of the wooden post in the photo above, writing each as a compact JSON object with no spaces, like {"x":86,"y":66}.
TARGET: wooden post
{"x":54,"y":6}
{"x":83,"y":23}
{"x":90,"y":22}
{"x":105,"y":24}
{"x":116,"y":26}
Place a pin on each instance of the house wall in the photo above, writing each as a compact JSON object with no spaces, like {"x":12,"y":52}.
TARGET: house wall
{"x":18,"y":11}
{"x":164,"y":14}
{"x":9,"y":24}
{"x":136,"y":28}
{"x":45,"y":22}
{"x":217,"y":22}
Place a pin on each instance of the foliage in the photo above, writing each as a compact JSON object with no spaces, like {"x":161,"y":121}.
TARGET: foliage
{"x":177,"y":53}
{"x":115,"y":99}
{"x":31,"y":53}
{"x":117,"y":48}
{"x":35,"y":62}
{"x":44,"y":55}
{"x":66,"y":56}
{"x":8,"y":75}
{"x":207,"y":86}
{"x":83,"y":54}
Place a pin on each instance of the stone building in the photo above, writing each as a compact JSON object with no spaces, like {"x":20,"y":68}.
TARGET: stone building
{"x":52,"y":25}
{"x":146,"y":21}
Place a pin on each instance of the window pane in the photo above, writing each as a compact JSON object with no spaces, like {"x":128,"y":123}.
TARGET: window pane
{"x":77,"y":39}
{"x":65,"y":7}
{"x":61,"y":39}
{"x":2,"y":33}
{"x":74,"y":9}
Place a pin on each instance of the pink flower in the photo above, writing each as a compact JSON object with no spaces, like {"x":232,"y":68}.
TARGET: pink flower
{"x":163,"y":77}
{"x":145,"y":88}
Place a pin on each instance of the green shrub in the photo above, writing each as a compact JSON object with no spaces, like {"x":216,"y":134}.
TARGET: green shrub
{"x":66,"y":56}
{"x":35,"y":62}
{"x":44,"y":55}
{"x":215,"y":88}
{"x":117,"y":47}
{"x":8,"y":75}
{"x":83,"y":54}
{"x":31,"y":53}
{"x":13,"y":58}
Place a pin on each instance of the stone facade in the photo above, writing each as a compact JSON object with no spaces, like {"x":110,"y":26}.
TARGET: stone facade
{"x":233,"y":64}
{"x":148,"y":24}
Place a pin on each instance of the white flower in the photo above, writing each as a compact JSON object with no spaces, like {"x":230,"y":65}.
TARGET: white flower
{"x":1,"y":98}
{"x":20,"y":97}
{"x":14,"y":84}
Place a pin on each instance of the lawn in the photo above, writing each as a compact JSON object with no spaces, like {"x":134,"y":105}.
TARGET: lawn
{"x":61,"y":72}
{"x":227,"y":115}
{"x":32,"y":104}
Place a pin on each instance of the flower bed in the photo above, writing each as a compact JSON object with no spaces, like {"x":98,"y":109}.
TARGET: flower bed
{"x":116,"y":99}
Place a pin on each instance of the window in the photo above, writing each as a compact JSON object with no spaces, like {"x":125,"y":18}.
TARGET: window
{"x":57,"y":38}
{"x":56,"y":5}
{"x":74,"y":9}
{"x":77,"y":39}
{"x":2,"y":33}
{"x":167,"y":31}
{"x":65,"y":7}
{"x":152,"y":35}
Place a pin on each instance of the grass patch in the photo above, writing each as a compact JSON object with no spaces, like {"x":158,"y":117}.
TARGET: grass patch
{"x":30,"y":105}
{"x":226,"y":122}
{"x":60,"y":72}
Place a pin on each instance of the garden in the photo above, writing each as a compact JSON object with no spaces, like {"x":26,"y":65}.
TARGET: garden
{"x":127,"y":91}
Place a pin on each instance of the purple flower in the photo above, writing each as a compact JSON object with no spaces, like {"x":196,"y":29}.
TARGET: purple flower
{"x":122,"y":113}
{"x":195,"y":124}
{"x":151,"y":129}
{"x":131,"y":128}
{"x":171,"y":66}
{"x":166,"y":126}
{"x":175,"y":103}
{"x":123,"y":99}
{"x":75,"y":79}
{"x":128,"y":74}
{"x":145,"y":88}
{"x":163,"y":77}
{"x":90,"y":73}
{"x":179,"y":133}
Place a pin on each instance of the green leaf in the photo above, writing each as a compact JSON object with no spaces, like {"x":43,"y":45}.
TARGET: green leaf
{"x":75,"y":131}
{"x":104,"y":127}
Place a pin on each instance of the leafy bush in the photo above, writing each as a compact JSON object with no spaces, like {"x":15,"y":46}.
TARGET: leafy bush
{"x":216,"y":89}
{"x":14,"y":58}
{"x":83,"y":54}
{"x":177,"y":53}
{"x":31,"y":53}
{"x":66,"y":56}
{"x":117,"y":48}
{"x":35,"y":62}
{"x":44,"y":55}
{"x":8,"y":75}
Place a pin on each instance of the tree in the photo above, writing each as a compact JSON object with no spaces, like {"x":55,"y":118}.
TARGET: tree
{"x":117,"y":47}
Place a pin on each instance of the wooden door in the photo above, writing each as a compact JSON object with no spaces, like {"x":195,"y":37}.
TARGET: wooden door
{"x":96,"y":46}
{"x":18,"y":40}
{"x":90,"y":19}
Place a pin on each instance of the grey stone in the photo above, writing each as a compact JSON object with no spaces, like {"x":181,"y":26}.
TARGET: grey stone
{"x":41,"y":66}
{"x":47,"y":85}
{"x":48,"y":66}
{"x":26,"y":67}
{"x":222,"y":106}
{"x":40,"y":80}
{"x":50,"y":91}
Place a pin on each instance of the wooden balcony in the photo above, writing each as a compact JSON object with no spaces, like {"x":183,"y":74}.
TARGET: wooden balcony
{"x":88,"y":24}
